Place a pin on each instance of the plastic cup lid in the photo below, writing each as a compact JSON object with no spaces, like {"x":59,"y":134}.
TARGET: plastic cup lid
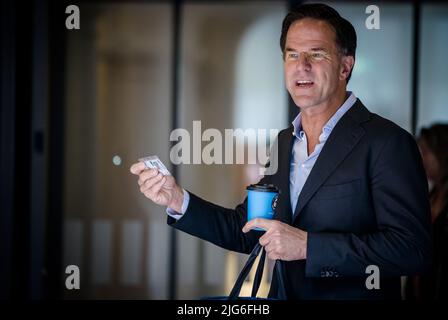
{"x":263,"y":187}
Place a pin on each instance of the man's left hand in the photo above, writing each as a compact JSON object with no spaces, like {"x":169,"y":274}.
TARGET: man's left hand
{"x":281,"y":241}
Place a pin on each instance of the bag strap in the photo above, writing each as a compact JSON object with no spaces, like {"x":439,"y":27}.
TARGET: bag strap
{"x":281,"y":292}
{"x":281,"y":288}
{"x":258,"y":274}
{"x":244,"y":273}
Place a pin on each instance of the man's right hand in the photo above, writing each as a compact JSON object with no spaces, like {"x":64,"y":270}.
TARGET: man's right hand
{"x":162,"y":190}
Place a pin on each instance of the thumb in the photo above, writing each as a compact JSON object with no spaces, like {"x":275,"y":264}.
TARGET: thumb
{"x":138,"y":167}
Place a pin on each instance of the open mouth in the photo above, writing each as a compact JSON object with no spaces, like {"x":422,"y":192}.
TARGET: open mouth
{"x":304,"y":83}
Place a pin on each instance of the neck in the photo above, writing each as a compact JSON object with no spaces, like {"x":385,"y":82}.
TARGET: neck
{"x":314,"y":118}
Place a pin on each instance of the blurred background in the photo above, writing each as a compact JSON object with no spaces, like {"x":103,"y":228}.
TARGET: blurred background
{"x":80,"y":106}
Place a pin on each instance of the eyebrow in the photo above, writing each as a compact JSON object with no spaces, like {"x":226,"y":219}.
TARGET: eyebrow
{"x":312,"y":49}
{"x":319,"y":49}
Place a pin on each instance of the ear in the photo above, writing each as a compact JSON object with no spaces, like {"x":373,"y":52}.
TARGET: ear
{"x":347,"y":64}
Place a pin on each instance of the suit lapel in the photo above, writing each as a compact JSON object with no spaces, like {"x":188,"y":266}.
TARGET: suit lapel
{"x":284,"y":211}
{"x":340,"y":143}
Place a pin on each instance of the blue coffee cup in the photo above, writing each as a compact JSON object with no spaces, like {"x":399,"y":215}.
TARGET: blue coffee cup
{"x":261,"y":201}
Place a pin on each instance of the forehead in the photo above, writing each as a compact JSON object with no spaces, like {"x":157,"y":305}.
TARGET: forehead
{"x":307,"y":33}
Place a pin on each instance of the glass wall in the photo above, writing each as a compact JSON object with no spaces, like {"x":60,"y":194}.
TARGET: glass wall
{"x":118,"y":109}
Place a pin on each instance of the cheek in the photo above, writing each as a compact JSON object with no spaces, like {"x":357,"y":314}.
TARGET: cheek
{"x":332,"y":77}
{"x":432,"y":166}
{"x":427,"y":166}
{"x":289,"y":77}
{"x":287,"y":74}
{"x":435,"y":168}
{"x":289,"y":70}
{"x":325,"y":77}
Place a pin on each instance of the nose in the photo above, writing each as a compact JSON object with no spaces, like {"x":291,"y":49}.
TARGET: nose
{"x":303,"y":63}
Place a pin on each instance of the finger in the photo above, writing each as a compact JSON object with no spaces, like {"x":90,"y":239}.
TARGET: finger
{"x":264,"y":240}
{"x":258,"y":223}
{"x":154,"y":191}
{"x":268,"y":248}
{"x":147,"y":174}
{"x":138,"y":167}
{"x":273,"y":256}
{"x":272,"y":252}
{"x":148,"y":184}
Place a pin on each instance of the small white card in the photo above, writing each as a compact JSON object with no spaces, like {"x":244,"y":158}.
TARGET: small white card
{"x":153,"y":162}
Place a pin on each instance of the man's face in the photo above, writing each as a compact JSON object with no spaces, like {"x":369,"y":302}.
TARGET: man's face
{"x":315,"y":70}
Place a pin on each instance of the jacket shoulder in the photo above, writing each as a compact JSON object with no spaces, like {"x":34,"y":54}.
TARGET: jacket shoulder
{"x":383,"y":129}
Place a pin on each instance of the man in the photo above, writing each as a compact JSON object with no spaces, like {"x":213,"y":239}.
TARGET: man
{"x":353,"y":189}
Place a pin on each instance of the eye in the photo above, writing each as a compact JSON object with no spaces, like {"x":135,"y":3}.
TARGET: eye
{"x":292,"y":56}
{"x":317,"y":55}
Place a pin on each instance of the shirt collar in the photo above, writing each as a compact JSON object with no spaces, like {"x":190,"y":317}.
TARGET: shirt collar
{"x":331,"y":123}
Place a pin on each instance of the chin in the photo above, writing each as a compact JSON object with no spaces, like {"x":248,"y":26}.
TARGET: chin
{"x":304,"y":102}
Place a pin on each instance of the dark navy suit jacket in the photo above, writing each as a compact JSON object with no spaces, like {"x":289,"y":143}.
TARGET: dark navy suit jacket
{"x":364,"y":203}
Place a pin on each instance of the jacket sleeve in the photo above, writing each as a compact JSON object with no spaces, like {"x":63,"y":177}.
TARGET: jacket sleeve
{"x":222,"y":226}
{"x":218,"y":225}
{"x":402,"y":243}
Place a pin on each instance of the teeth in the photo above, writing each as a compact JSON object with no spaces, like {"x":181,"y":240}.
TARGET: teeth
{"x":304,"y":82}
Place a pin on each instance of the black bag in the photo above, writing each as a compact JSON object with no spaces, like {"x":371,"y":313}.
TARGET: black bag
{"x":234,"y":294}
